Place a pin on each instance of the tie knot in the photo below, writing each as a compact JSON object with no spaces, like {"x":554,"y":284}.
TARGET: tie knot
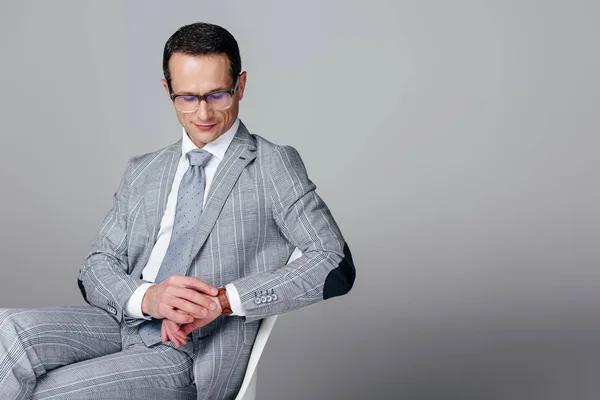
{"x":199,"y":157}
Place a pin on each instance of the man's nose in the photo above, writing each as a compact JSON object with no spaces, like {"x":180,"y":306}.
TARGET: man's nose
{"x":204,"y":111}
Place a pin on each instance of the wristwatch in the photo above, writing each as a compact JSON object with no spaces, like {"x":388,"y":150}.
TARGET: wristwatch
{"x":222,"y":296}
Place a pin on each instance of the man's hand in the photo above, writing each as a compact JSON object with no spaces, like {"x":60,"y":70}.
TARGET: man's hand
{"x":181,"y":299}
{"x":178,"y":334}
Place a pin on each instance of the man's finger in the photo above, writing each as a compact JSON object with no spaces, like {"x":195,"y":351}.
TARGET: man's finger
{"x":163,"y":333}
{"x":196,"y":297}
{"x":194,"y":303}
{"x":175,"y":338}
{"x":179,"y":317}
{"x":172,"y":337}
{"x":189,"y":309}
{"x":197,"y":284}
{"x":176,"y":331}
{"x":188,"y":328}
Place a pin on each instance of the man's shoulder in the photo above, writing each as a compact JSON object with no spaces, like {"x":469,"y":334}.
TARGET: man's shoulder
{"x":263,"y":146}
{"x":266,"y":149}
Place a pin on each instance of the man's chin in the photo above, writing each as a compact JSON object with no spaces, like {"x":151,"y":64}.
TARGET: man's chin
{"x":200,"y":138}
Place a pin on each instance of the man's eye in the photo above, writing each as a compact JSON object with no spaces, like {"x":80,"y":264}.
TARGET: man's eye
{"x":188,"y":99}
{"x":218,"y":95}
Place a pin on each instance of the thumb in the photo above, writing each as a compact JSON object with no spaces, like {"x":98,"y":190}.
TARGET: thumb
{"x":189,"y":327}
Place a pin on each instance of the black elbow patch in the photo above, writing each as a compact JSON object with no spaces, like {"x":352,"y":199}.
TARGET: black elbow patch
{"x":340,"y":280}
{"x":82,"y":288}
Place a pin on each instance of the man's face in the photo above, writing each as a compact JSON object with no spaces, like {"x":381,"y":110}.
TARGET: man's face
{"x":200,"y":75}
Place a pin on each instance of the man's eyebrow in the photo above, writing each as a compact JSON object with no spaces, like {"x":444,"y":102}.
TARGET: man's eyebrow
{"x":186,"y":93}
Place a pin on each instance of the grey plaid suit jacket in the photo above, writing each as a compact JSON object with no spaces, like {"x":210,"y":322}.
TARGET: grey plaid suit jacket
{"x":261,"y":205}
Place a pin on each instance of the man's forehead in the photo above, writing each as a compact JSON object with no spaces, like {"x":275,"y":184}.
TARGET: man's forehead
{"x":206,"y":72}
{"x":209,"y":62}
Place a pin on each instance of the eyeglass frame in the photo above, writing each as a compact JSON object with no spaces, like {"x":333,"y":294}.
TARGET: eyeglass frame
{"x":205,"y":98}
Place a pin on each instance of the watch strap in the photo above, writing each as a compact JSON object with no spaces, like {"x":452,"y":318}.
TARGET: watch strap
{"x":224,"y":300}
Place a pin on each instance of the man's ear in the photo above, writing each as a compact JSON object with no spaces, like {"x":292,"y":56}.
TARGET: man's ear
{"x":241,"y":85}
{"x":166,"y":86}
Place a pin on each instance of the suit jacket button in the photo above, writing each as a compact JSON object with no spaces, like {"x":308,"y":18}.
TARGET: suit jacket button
{"x":257,"y":300}
{"x":274,"y":296}
{"x":263,"y":299}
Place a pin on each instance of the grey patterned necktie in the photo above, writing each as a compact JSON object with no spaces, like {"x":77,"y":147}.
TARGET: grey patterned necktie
{"x":190,"y":198}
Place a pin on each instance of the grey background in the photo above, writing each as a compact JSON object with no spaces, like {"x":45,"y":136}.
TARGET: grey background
{"x":456,"y":143}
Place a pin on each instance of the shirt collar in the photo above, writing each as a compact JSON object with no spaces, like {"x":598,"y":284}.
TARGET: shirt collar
{"x":217,"y":148}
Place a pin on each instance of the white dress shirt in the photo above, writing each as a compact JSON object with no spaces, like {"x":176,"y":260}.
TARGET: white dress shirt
{"x":133,"y":306}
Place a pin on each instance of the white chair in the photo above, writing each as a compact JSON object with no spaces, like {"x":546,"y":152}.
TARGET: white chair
{"x":248,"y":389}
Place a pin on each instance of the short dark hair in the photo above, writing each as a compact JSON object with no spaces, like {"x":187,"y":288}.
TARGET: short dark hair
{"x":200,"y":39}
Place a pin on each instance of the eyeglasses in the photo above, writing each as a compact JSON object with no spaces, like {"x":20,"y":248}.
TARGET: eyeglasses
{"x":189,"y":103}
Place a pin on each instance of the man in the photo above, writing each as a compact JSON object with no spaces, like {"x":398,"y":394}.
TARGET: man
{"x":190,"y":258}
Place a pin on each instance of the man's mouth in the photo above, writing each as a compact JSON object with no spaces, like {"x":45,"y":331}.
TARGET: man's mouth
{"x":204,"y":127}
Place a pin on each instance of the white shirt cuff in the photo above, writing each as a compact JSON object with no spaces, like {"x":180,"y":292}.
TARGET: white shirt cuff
{"x":133,"y":305}
{"x":235,"y":302}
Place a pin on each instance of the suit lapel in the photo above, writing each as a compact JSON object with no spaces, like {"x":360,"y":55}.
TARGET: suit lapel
{"x":159,"y":181}
{"x":239,"y":154}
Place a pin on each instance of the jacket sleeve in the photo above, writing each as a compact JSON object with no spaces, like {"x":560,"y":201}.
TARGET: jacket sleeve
{"x":325,"y":268}
{"x":104,"y":278}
